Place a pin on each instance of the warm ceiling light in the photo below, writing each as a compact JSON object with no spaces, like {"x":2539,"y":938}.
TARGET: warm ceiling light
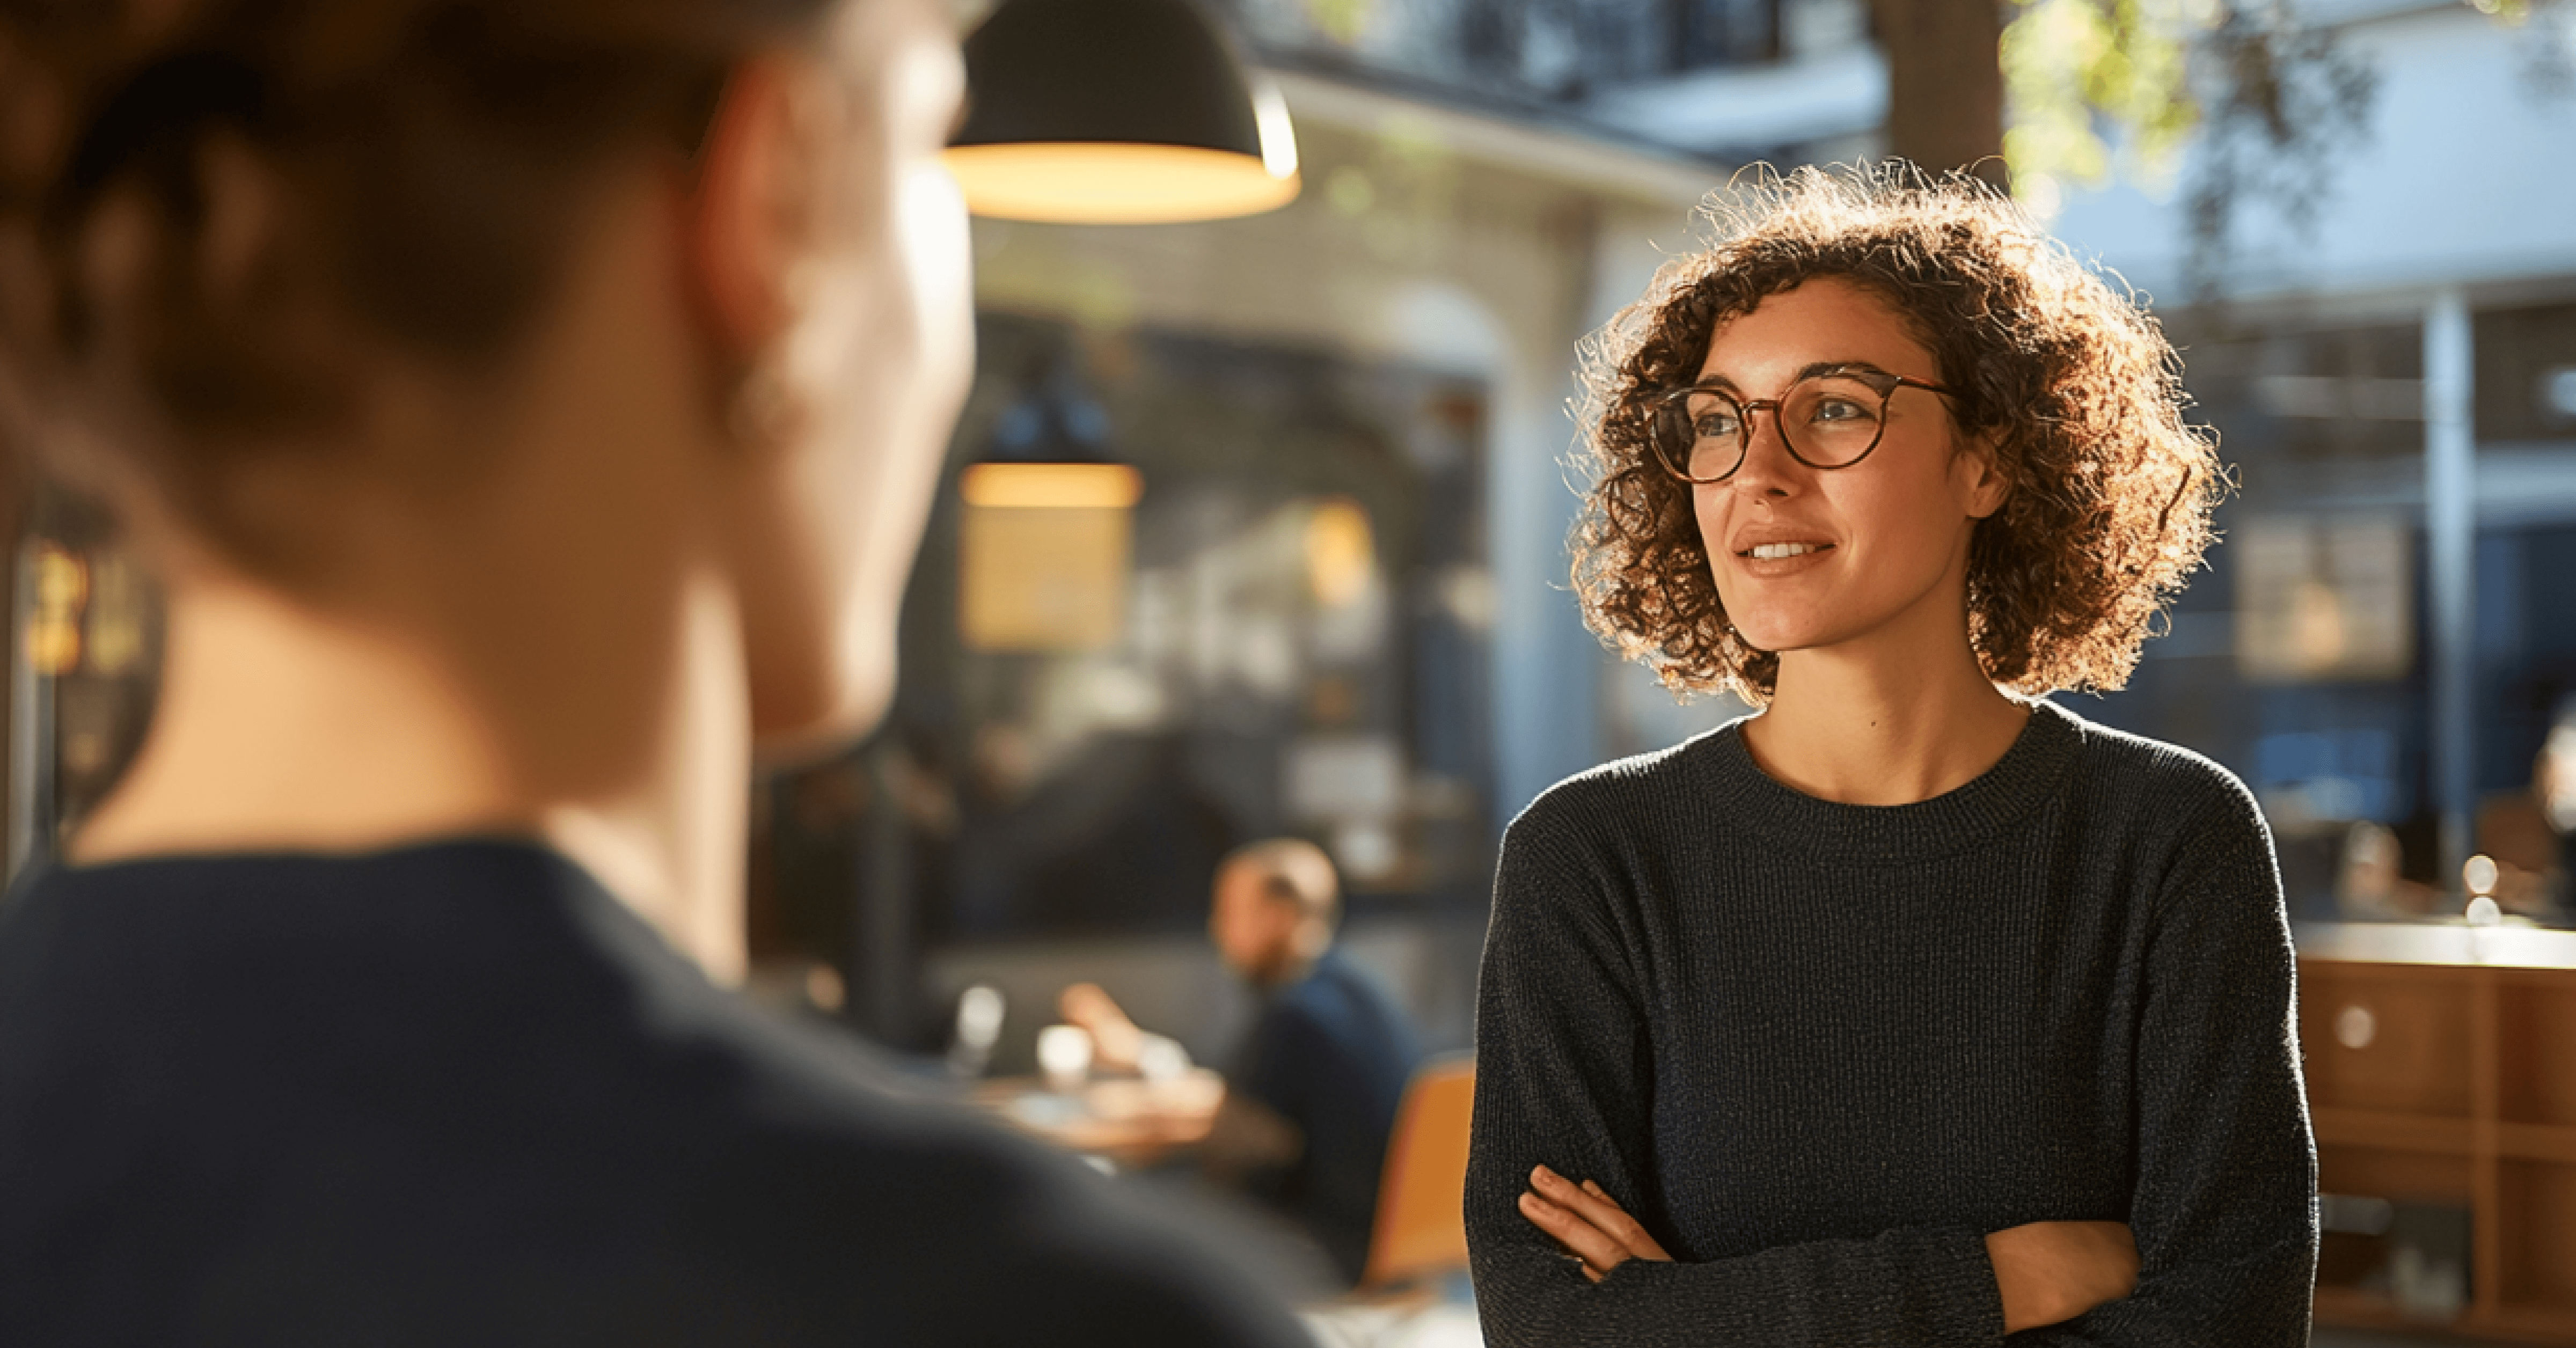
{"x":1052,"y":486}
{"x":1341,"y":552}
{"x":1116,"y":112}
{"x":1114,"y":184}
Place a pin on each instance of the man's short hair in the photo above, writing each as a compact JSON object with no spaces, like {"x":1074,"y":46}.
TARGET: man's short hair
{"x":1292,"y":870}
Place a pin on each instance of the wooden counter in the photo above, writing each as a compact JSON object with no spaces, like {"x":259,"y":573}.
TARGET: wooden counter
{"x":2441,"y":1068}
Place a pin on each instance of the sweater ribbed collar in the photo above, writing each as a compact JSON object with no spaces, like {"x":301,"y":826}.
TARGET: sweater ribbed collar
{"x":1779,"y":817}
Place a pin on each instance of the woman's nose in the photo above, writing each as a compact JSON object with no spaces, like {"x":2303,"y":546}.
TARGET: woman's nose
{"x":1768,"y":469}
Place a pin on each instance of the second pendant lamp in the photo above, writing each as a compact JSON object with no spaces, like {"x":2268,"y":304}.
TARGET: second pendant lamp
{"x":1117,"y":112}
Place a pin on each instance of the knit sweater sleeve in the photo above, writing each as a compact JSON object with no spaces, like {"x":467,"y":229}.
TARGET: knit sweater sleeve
{"x":1565,"y":1078}
{"x":2223,"y":1206}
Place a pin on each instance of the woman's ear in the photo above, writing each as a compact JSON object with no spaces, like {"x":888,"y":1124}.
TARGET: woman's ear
{"x":1977,"y":472}
{"x":748,"y":216}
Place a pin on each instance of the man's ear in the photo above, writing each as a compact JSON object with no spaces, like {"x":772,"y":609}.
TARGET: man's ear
{"x":746,"y":216}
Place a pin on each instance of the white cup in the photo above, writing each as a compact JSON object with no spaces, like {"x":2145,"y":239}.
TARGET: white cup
{"x":1064,"y":1055}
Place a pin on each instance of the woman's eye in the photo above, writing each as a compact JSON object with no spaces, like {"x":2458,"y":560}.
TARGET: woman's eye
{"x":1713,"y":424}
{"x":1840,"y":409}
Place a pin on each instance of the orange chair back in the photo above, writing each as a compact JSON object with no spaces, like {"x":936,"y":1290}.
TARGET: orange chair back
{"x":1422,"y":1197}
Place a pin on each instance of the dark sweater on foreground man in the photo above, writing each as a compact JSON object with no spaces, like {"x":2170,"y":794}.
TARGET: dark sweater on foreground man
{"x":1820,"y":1050}
{"x":459,"y":1094}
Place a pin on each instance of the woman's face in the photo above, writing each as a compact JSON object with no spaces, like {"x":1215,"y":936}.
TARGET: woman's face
{"x":1876,"y":548}
{"x":877,"y":364}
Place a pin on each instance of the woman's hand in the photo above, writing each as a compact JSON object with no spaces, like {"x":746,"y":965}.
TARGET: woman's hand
{"x":1584,"y":1220}
{"x":2051,"y":1272}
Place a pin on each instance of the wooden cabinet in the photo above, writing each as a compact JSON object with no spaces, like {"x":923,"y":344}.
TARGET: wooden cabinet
{"x":2441,"y":1069}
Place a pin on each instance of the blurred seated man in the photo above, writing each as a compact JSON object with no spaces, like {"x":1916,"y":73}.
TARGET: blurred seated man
{"x":1312,"y":1096}
{"x":2372,"y":885}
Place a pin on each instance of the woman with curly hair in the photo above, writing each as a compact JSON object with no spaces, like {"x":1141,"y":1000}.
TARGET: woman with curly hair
{"x":1912,"y":1008}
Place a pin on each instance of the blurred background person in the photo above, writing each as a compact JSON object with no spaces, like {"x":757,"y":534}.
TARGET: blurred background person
{"x":2554,"y":784}
{"x":2371,"y":884}
{"x":530,"y":408}
{"x":1310,"y":1099}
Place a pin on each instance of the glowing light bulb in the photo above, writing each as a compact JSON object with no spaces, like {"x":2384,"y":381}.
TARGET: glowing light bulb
{"x":2355,"y":1027}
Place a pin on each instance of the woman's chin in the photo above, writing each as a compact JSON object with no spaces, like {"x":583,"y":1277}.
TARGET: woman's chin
{"x":1773,"y":633}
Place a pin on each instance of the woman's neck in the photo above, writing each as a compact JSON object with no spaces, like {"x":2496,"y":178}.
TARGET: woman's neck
{"x":1886,"y":721}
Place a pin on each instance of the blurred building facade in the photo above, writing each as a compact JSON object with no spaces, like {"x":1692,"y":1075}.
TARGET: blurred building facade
{"x":1337,"y":606}
{"x":2389,"y":631}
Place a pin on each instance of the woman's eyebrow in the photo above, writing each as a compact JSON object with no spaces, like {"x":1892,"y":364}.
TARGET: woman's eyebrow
{"x":1808,"y":371}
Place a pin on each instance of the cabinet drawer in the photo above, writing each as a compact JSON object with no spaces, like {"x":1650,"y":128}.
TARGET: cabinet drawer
{"x":2386,"y":1037}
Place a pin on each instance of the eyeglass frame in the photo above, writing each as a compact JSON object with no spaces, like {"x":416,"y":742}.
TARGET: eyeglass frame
{"x":1870,"y":376}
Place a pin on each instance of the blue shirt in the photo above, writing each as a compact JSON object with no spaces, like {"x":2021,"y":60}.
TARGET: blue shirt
{"x":1331,"y":1053}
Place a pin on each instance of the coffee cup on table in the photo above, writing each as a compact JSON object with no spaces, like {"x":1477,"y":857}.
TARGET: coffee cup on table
{"x":1064,"y":1057}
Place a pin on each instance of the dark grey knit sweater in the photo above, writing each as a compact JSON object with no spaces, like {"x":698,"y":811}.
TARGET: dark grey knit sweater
{"x":1820,"y":1050}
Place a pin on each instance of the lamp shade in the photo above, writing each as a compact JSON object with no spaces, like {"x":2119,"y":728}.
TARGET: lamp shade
{"x":1116,"y":112}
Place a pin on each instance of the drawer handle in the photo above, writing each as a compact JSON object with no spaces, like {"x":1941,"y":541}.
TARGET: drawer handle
{"x":2355,"y":1026}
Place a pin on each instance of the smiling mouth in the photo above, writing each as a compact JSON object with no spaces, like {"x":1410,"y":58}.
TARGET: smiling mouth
{"x":1772,"y":552}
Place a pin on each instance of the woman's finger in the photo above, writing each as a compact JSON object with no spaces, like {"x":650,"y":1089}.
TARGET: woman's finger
{"x":1582,"y":1239}
{"x":1625,"y":1229}
{"x":1594,"y":1212}
{"x":1598,"y":1211}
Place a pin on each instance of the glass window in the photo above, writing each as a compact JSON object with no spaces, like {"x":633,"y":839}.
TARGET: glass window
{"x":1280,"y":630}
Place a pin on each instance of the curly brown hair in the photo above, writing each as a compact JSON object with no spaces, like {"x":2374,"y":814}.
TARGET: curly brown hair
{"x":2110,"y":490}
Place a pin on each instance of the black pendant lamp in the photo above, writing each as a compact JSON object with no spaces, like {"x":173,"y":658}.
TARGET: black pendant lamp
{"x":1117,"y":112}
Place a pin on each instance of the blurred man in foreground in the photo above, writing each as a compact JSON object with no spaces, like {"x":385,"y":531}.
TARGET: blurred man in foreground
{"x":1311,"y":1100}
{"x":529,"y":406}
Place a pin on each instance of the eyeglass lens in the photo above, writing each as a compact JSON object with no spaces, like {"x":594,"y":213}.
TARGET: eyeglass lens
{"x":1829,"y":421}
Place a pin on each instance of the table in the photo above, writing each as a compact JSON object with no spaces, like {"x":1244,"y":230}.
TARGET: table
{"x":1127,"y":1121}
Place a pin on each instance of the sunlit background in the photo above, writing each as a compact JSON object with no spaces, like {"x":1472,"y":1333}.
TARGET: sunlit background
{"x":1256,"y":526}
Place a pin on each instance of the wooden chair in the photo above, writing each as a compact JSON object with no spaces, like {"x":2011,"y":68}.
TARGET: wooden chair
{"x":1421,"y":1229}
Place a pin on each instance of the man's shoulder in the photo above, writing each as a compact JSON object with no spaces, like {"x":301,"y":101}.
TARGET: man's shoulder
{"x":553,"y":1132}
{"x":867,"y":1200}
{"x":1339,"y":998}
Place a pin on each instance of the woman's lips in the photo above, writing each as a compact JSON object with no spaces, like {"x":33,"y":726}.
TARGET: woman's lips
{"x":1815,"y":555}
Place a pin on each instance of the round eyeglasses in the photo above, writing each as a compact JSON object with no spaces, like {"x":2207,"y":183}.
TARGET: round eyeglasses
{"x":1830,"y":419}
